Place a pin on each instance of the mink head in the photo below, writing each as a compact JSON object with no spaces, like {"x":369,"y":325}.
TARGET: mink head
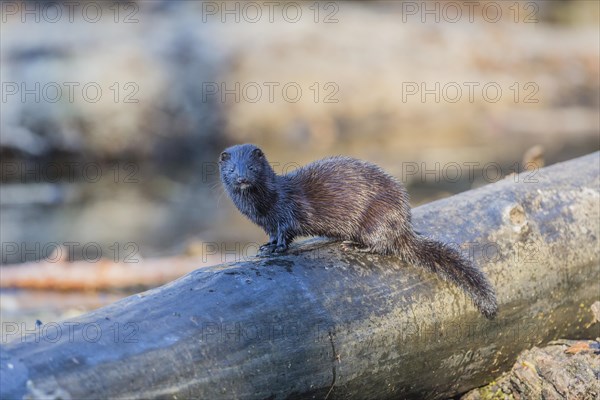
{"x":244,"y":167}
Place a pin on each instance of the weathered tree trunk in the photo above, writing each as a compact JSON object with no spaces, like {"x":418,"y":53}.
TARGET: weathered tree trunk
{"x":321,"y":323}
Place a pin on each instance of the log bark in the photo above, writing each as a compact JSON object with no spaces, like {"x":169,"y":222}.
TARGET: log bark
{"x":321,"y":323}
{"x":565,"y":369}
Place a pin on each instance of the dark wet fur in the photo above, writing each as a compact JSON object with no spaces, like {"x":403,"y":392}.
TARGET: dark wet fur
{"x":346,"y":199}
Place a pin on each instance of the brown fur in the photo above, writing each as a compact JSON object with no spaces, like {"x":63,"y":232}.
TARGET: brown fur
{"x":346,"y":199}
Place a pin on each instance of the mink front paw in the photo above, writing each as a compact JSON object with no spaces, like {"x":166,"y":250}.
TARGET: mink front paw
{"x":270,"y":248}
{"x":267,"y":247}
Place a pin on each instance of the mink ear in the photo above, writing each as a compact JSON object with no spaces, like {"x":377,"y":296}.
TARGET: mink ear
{"x":258,"y":153}
{"x":224,"y":156}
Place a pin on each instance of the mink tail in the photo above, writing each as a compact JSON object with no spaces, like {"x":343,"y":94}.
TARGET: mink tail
{"x":450,"y":265}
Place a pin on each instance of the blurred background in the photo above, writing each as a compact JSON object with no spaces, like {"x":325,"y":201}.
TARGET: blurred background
{"x":114,"y":113}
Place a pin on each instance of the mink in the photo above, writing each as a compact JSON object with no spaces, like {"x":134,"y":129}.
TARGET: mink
{"x":346,"y":199}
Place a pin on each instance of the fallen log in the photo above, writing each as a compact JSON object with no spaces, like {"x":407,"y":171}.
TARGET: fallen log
{"x":321,"y":323}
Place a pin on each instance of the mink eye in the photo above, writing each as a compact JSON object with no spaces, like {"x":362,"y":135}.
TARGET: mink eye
{"x":258,"y":153}
{"x":224,"y":156}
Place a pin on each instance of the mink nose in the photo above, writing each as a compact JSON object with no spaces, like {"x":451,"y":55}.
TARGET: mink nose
{"x":242,"y":181}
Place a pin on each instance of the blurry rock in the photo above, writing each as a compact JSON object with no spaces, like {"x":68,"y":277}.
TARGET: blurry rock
{"x":109,"y":89}
{"x":371,"y":78}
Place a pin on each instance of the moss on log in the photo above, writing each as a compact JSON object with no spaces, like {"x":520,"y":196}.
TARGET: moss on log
{"x":321,"y":323}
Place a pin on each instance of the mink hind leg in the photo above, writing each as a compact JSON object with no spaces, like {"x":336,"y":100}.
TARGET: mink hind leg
{"x":349,"y":246}
{"x":381,"y":236}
